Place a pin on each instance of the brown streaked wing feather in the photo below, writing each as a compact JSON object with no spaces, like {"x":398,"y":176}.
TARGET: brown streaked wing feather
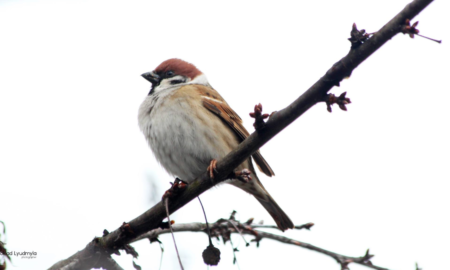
{"x":217,"y":105}
{"x":220,"y":110}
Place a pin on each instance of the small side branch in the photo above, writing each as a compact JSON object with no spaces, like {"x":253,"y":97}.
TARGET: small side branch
{"x":412,"y":30}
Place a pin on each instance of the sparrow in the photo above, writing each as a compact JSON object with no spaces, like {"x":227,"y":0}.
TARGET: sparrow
{"x":188,"y":125}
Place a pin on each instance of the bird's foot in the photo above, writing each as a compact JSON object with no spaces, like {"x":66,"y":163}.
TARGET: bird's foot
{"x":177,"y":187}
{"x":243,"y":175}
{"x":212,"y":168}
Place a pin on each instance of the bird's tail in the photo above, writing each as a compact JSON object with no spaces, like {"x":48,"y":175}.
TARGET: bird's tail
{"x":280,"y":217}
{"x":256,"y":188}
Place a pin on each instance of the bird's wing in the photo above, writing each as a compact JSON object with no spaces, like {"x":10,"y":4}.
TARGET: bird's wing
{"x":217,"y":105}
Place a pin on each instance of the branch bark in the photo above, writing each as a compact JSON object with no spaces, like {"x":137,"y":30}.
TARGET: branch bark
{"x":152,"y":218}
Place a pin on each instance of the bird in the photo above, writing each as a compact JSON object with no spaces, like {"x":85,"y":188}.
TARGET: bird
{"x":188,"y":126}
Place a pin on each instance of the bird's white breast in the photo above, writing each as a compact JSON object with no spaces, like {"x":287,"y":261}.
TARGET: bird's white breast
{"x":183,"y":135}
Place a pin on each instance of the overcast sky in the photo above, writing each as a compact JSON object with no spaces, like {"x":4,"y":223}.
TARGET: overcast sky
{"x":73,"y":161}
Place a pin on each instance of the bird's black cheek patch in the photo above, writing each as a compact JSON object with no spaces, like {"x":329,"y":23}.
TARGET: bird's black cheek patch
{"x":176,"y":81}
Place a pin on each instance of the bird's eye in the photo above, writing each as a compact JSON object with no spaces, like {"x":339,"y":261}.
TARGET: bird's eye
{"x":169,"y":73}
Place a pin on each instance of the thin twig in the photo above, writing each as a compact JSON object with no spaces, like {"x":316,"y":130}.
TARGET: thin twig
{"x":238,"y":231}
{"x":432,"y":39}
{"x":298,"y":227}
{"x":171,"y":230}
{"x":161,"y":246}
{"x":235,"y":261}
{"x":206,"y":221}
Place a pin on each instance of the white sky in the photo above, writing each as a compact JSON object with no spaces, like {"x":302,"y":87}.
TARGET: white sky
{"x":73,"y":161}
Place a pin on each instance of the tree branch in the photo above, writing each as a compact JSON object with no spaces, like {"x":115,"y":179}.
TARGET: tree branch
{"x":152,"y":218}
{"x":224,"y":228}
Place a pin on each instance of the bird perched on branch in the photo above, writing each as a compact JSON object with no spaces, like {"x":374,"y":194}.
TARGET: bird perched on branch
{"x":189,"y":126}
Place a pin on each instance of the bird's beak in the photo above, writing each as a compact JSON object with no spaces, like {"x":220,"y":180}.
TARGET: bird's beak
{"x":152,"y":77}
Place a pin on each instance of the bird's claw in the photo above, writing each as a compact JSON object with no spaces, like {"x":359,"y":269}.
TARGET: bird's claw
{"x":243,"y":175}
{"x":176,"y":188}
{"x":212,"y":168}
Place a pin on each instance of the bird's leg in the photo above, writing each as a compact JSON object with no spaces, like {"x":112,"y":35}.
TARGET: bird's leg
{"x":176,"y":188}
{"x":243,"y":175}
{"x":212,"y":168}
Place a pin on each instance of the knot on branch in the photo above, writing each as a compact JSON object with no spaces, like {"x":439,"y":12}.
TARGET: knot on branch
{"x":125,"y":232}
{"x":409,"y":29}
{"x":364,"y":260}
{"x":259,"y":117}
{"x":126,"y":229}
{"x":331,"y":99}
{"x":358,"y":37}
